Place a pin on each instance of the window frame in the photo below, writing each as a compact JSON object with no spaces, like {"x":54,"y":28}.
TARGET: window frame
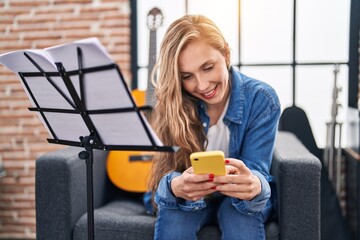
{"x":353,"y":60}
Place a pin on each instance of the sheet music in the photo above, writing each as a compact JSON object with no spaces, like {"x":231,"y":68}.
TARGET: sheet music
{"x":102,"y":90}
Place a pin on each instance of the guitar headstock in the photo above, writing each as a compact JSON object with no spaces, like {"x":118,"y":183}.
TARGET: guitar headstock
{"x":154,"y":18}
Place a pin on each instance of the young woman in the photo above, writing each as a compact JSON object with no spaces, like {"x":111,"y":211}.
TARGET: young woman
{"x":205,"y":104}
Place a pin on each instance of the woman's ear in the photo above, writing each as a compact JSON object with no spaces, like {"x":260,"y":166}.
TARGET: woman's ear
{"x":227,"y":60}
{"x":227,"y":56}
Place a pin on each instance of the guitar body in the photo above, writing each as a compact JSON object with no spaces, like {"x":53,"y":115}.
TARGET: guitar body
{"x":129,"y":170}
{"x":139,"y":97}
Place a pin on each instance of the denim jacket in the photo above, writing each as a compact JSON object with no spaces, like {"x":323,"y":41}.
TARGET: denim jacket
{"x":252,"y":118}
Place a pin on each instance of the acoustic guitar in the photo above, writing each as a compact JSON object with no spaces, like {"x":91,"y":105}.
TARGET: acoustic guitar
{"x":129,"y":170}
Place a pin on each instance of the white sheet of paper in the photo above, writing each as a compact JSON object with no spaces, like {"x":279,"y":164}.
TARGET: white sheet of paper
{"x":127,"y":131}
{"x":102,"y":90}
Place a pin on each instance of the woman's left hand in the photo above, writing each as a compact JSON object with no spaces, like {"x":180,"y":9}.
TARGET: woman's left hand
{"x":239,"y":182}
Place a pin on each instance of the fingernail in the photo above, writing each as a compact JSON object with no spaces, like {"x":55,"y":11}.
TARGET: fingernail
{"x":211,"y":175}
{"x":211,"y":179}
{"x":214,"y":187}
{"x":227,"y":161}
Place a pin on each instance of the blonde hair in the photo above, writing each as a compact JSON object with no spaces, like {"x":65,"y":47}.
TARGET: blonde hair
{"x":175,"y":118}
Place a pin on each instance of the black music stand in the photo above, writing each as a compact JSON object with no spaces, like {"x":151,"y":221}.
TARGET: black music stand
{"x":93,"y":124}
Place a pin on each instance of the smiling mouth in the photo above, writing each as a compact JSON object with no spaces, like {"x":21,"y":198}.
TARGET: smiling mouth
{"x":211,"y":93}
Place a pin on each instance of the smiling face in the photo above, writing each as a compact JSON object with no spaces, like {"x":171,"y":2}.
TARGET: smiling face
{"x":204,"y":73}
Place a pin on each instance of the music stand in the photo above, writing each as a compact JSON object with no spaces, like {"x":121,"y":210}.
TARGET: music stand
{"x":91,"y":126}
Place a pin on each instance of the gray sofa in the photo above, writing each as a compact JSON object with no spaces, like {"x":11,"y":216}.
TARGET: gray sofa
{"x":61,"y":202}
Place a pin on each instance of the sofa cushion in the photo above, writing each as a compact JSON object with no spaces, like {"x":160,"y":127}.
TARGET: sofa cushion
{"x":127,"y":219}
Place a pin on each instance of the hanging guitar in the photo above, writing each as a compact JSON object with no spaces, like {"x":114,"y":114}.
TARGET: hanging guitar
{"x":129,"y":170}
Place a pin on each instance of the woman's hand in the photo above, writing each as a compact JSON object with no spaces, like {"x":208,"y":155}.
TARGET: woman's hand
{"x":193,"y":187}
{"x":239,"y":182}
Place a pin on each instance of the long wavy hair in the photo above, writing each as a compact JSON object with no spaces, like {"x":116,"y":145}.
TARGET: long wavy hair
{"x":175,"y":118}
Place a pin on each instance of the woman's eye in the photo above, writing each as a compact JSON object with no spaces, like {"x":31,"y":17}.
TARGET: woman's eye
{"x":208,"y":68}
{"x":185,"y":77}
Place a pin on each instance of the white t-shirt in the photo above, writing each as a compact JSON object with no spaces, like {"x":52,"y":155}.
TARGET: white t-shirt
{"x":218,"y":135}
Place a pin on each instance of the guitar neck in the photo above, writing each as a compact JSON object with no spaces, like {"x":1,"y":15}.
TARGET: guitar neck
{"x":150,"y":92}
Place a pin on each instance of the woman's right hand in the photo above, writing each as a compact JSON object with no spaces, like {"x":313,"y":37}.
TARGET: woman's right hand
{"x":192,"y":187}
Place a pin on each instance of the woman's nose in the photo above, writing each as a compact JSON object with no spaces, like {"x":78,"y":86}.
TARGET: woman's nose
{"x":202,"y":84}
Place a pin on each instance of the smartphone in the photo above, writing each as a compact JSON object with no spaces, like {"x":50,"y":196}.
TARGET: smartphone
{"x":208,"y":162}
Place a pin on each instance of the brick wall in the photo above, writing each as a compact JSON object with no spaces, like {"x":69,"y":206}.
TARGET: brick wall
{"x":39,"y":24}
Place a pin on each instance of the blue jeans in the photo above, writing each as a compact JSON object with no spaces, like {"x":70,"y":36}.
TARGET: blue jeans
{"x":173,"y":224}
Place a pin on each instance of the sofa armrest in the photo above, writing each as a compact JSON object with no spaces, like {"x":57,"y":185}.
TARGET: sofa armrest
{"x":60,"y":188}
{"x":297,"y":173}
